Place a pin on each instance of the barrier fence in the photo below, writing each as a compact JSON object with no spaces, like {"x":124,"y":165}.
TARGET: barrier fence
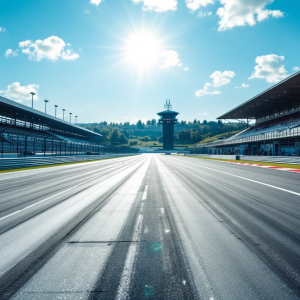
{"x":254,"y":138}
{"x":271,"y":159}
{"x":20,"y":163}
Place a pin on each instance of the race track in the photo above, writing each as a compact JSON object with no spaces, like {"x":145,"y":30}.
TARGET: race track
{"x":150,"y":226}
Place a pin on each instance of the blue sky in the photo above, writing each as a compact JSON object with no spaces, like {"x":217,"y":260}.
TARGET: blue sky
{"x":118,"y":60}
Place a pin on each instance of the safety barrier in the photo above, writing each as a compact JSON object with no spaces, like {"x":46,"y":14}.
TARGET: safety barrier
{"x":294,"y":160}
{"x":19,"y":163}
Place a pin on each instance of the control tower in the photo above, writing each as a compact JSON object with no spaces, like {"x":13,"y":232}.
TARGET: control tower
{"x":168,"y":120}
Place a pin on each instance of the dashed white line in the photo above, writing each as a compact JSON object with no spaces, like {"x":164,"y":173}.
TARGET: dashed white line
{"x":34,"y":204}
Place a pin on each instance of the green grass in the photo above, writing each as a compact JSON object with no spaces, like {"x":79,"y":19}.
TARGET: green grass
{"x":219,"y":136}
{"x":253,"y":162}
{"x":56,"y":165}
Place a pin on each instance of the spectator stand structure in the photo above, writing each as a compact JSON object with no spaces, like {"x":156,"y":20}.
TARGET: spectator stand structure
{"x":276,"y":130}
{"x":25,"y":131}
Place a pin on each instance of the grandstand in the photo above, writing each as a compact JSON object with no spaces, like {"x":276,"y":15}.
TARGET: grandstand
{"x":276,"y":130}
{"x":25,"y":131}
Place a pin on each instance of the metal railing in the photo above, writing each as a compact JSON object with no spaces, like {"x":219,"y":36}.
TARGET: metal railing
{"x":254,"y":138}
{"x":20,"y":163}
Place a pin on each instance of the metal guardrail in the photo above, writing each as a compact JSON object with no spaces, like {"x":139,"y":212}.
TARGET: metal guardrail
{"x":20,"y":163}
{"x":253,"y":138}
{"x":293,"y":160}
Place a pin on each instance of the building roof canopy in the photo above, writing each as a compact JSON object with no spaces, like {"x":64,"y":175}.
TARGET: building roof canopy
{"x":282,"y":96}
{"x":14,"y":110}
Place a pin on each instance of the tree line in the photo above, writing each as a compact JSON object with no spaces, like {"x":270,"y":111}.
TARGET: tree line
{"x":151,"y":130}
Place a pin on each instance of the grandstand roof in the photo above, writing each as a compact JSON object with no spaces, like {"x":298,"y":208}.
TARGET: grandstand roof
{"x":12,"y":109}
{"x":282,"y":96}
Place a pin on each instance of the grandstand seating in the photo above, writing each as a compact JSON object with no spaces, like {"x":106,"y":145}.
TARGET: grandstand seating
{"x":278,"y":126}
{"x":23,"y":141}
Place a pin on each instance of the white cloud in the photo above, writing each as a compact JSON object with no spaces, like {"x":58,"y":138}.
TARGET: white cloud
{"x":96,"y":2}
{"x":205,"y":91}
{"x":171,"y":59}
{"x":87,"y":11}
{"x":243,"y":85}
{"x":196,"y":4}
{"x":296,"y":69}
{"x":51,"y":48}
{"x":202,"y":14}
{"x":243,"y":12}
{"x":185,"y":69}
{"x":11,"y":52}
{"x":204,"y":114}
{"x":270,"y":67}
{"x":220,"y":78}
{"x":19,"y":93}
{"x":158,"y":5}
{"x":2,"y":29}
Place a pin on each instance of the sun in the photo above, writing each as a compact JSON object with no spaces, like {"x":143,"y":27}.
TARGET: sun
{"x":142,"y":50}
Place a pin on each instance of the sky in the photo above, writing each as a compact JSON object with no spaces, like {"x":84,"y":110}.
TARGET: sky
{"x":119,"y":60}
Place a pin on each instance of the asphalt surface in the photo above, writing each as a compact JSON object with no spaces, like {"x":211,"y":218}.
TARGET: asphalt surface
{"x":150,"y":227}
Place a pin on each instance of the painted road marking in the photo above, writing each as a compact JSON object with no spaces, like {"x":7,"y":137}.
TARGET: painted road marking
{"x":123,"y":290}
{"x":263,"y":166}
{"x":265,"y":184}
{"x":34,"y":204}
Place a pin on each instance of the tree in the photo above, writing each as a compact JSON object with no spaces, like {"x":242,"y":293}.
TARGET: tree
{"x":184,"y":135}
{"x":139,"y":124}
{"x":148,"y":123}
{"x":122,"y":139}
{"x":196,"y":137}
{"x":204,"y":122}
{"x":153,"y":122}
{"x":114,"y":137}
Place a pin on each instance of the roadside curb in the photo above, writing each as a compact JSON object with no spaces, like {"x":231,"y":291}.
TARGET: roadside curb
{"x":263,"y":166}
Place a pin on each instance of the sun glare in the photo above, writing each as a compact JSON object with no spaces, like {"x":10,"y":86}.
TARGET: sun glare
{"x":143,"y":50}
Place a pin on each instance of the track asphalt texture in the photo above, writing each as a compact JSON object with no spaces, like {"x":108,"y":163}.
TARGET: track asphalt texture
{"x":150,"y":227}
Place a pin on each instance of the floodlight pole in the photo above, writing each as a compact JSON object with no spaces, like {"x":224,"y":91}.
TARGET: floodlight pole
{"x":70,"y":117}
{"x":32,"y":93}
{"x":63,"y":113}
{"x":46,"y":101}
{"x":76,"y":119}
{"x":55,"y":109}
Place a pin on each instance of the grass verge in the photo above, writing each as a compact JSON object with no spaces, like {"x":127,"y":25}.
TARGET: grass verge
{"x":253,"y":162}
{"x":56,"y":165}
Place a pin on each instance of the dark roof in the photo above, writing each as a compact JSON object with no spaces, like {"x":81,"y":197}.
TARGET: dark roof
{"x":168,"y":112}
{"x":282,"y":96}
{"x":12,"y":109}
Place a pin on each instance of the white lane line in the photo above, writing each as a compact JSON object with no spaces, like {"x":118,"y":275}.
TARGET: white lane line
{"x":144,"y":197}
{"x":265,"y":184}
{"x":34,"y":204}
{"x":123,"y":290}
{"x":128,"y":268}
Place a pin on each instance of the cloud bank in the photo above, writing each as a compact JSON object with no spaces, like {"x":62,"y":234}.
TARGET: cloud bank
{"x":51,"y":48}
{"x":270,"y":67}
{"x":19,"y":93}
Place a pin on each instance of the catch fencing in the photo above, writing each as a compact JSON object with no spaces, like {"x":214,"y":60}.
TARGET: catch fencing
{"x":293,"y":160}
{"x":20,"y":163}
